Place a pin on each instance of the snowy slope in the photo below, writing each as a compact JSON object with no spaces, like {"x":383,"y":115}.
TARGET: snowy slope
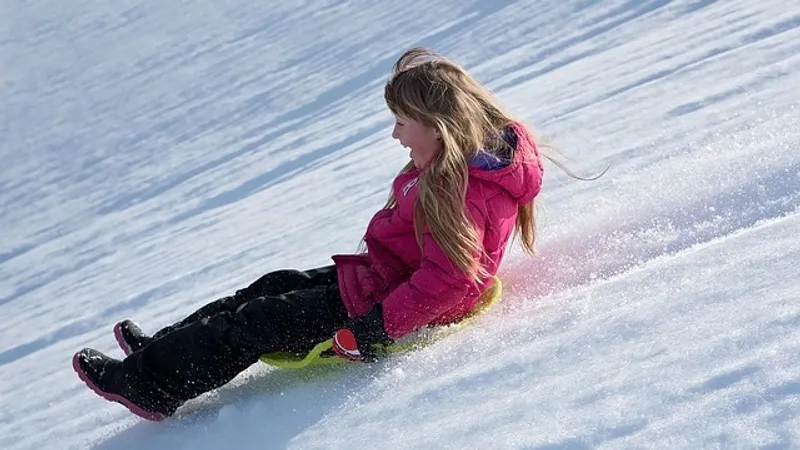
{"x":157,"y":155}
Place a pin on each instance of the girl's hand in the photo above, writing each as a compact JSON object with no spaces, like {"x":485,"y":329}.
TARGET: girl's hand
{"x":355,"y":341}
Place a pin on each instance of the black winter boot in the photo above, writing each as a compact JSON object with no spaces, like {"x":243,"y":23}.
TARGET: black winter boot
{"x":108,"y":378}
{"x":130,"y":337}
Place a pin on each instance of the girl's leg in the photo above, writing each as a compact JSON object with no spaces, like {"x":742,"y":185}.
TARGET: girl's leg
{"x":271,"y":284}
{"x":207,"y":353}
{"x":284,"y":281}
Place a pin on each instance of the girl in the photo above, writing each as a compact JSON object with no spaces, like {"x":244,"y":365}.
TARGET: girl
{"x":430,"y":253}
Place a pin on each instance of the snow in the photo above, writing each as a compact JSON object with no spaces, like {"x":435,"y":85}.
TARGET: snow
{"x":158,"y":155}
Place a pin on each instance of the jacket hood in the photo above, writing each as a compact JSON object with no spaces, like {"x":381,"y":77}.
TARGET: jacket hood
{"x":522,"y":177}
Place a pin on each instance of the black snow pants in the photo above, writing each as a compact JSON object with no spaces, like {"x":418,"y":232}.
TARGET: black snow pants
{"x":286,"y":310}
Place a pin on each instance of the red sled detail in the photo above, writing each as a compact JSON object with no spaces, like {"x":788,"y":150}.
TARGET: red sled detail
{"x":344,"y":344}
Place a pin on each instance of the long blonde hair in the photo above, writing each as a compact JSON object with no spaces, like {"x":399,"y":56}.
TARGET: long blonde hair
{"x":439,"y":93}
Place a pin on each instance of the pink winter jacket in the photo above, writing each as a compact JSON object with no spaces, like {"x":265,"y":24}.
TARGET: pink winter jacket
{"x":420,"y":287}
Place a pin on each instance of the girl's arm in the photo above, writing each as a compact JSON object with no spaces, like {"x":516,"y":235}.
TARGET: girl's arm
{"x":435,"y":288}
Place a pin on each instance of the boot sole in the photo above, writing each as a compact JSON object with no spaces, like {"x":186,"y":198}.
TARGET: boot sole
{"x":121,"y":340}
{"x":149,"y":415}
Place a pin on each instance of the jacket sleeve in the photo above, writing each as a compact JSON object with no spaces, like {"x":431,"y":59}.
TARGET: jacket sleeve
{"x":432,"y":290}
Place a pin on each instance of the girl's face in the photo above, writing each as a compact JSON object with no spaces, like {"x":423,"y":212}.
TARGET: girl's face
{"x":424,"y":141}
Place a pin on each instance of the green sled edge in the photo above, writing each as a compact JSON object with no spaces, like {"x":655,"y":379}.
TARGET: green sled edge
{"x":322,"y":353}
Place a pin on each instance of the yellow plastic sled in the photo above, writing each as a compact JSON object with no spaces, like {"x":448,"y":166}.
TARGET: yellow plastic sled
{"x":322,"y":353}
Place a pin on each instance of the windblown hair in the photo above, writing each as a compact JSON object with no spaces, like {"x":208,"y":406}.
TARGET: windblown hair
{"x":439,"y":93}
